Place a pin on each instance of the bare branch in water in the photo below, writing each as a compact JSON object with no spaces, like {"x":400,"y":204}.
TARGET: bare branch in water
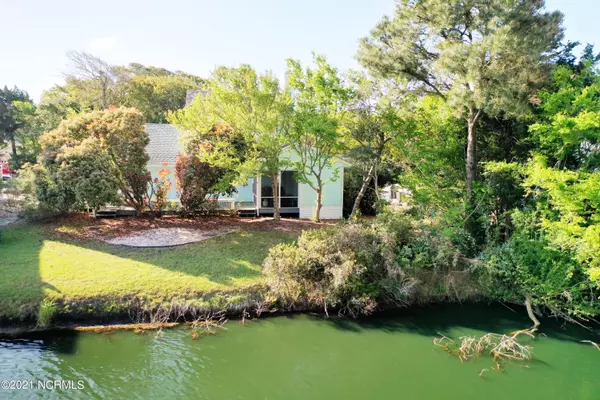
{"x":596,"y":345}
{"x":501,"y":347}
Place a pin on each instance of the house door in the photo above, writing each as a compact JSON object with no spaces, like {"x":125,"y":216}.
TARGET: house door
{"x":288,"y":191}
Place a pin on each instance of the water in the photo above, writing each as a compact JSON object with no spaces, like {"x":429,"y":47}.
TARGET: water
{"x":306,"y":357}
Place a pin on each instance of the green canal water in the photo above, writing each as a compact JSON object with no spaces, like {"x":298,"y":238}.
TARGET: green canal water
{"x":307,"y":357}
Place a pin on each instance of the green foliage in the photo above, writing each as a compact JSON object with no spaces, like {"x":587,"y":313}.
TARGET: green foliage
{"x":256,"y":113}
{"x":320,"y":97}
{"x":480,"y":54}
{"x":502,"y":192}
{"x":432,"y":158}
{"x":568,"y":208}
{"x":479,"y":57}
{"x":85,"y":171}
{"x":12,"y":118}
{"x":155,"y":95}
{"x":108,"y":143}
{"x":356,"y":266}
{"x":569,"y":128}
{"x":255,"y":109}
{"x":341,"y":268}
{"x":46,"y":312}
{"x":527,"y":266}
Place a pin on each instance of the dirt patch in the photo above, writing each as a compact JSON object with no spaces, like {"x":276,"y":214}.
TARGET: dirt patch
{"x":84,"y":226}
{"x":167,"y":237}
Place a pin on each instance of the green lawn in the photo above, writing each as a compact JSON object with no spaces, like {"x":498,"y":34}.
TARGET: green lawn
{"x":94,"y":277}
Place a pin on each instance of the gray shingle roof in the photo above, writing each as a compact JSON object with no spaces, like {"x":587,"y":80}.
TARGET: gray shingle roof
{"x":164,"y":143}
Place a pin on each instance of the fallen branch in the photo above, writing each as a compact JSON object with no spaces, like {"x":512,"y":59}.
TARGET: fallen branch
{"x":596,"y":345}
{"x":501,"y":347}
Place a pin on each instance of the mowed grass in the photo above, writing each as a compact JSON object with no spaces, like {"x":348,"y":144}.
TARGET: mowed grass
{"x":37,"y":263}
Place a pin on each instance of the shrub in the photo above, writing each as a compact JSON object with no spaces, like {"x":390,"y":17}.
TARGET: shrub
{"x":79,"y":177}
{"x":121,"y":136}
{"x":198,"y":182}
{"x":86,"y":171}
{"x":351,"y":267}
{"x":160,"y":188}
{"x":356,"y":266}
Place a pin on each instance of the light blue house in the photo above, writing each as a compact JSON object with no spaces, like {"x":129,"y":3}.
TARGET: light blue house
{"x":255,"y":197}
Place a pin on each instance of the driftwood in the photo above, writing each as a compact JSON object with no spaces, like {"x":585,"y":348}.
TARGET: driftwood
{"x":501,"y":347}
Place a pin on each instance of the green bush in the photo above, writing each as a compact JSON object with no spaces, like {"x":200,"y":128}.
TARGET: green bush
{"x":115,"y":137}
{"x":355,"y":266}
{"x":550,"y":277}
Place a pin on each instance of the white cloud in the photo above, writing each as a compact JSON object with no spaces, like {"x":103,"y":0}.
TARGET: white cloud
{"x":103,"y":44}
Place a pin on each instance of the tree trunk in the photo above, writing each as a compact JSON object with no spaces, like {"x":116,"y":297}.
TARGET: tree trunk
{"x":319,"y":203}
{"x":363,"y":189}
{"x":13,"y":144}
{"x":104,"y":97}
{"x":276,"y":213}
{"x":471,"y":161}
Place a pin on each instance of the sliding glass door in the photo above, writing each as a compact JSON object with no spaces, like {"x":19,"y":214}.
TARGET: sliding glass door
{"x":288,"y":191}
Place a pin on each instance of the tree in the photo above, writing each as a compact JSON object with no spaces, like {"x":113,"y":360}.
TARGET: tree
{"x":94,"y":84}
{"x":122,"y":136}
{"x":28,"y":133}
{"x":480,"y":57}
{"x":568,"y":128}
{"x":376,"y":123}
{"x":92,"y":75}
{"x":11,"y":117}
{"x":154,"y":95}
{"x":320,"y":99}
{"x":57,"y":104}
{"x":255,"y":110}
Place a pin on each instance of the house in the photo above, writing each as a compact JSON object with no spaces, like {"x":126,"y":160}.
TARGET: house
{"x":256,"y":196}
{"x":395,"y":194}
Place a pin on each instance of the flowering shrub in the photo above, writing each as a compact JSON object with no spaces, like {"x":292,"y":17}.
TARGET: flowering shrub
{"x":160,"y":187}
{"x":198,"y":183}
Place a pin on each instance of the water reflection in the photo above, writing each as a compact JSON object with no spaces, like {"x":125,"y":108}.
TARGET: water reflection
{"x":308,"y":357}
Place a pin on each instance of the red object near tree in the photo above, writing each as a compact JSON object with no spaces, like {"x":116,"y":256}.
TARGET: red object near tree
{"x":6,"y":170}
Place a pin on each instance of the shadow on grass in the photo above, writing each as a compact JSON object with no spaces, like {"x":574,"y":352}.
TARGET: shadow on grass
{"x":21,"y":286}
{"x":221,"y":260}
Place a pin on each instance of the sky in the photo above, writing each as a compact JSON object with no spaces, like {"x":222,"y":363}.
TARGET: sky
{"x":196,"y":36}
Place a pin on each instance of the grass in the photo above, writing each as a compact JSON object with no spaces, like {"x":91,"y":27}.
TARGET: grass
{"x":92,"y":277}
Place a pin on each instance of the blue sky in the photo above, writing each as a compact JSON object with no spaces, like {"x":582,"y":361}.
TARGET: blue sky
{"x":196,"y":36}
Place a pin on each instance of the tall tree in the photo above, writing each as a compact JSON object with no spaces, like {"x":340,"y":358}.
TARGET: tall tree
{"x":154,"y":95}
{"x":320,"y":102}
{"x":480,"y":57}
{"x":11,"y":117}
{"x":92,"y":75}
{"x":94,"y":84}
{"x":256,"y":110}
{"x":376,"y":122}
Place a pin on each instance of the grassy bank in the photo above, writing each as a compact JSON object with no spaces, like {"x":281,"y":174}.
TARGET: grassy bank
{"x":48,"y":267}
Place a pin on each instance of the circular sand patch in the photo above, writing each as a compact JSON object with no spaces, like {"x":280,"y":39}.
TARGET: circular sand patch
{"x":167,"y":237}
